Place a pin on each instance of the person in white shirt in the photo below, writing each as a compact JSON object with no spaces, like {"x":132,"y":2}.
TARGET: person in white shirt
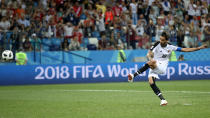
{"x":140,"y":28}
{"x":158,"y":57}
{"x":133,"y":9}
{"x":100,"y":22}
{"x":24,"y":21}
{"x":5,"y":24}
{"x":68,"y":30}
{"x":191,"y":9}
{"x":166,"y":6}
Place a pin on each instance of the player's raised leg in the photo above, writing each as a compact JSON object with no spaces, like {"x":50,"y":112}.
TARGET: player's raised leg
{"x":141,"y":70}
{"x":157,"y":90}
{"x":150,"y":64}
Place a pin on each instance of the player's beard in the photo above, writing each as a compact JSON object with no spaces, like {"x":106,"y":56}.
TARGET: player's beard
{"x":163,"y":44}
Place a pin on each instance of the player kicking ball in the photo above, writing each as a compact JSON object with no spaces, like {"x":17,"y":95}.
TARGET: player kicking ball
{"x":158,"y":57}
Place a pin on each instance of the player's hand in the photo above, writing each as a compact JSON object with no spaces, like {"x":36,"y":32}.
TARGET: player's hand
{"x":203,"y":46}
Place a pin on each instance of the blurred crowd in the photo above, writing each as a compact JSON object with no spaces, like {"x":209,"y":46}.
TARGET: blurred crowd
{"x":101,"y":24}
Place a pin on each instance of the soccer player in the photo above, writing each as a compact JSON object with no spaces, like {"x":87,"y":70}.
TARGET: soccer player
{"x":158,"y":57}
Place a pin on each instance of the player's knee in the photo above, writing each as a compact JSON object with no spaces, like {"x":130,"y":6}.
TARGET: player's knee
{"x":151,"y":63}
{"x":151,"y":81}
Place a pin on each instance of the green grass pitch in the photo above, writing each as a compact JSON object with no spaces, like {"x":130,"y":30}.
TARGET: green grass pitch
{"x":186,"y":99}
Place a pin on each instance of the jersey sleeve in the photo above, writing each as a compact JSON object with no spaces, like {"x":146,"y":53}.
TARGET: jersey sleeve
{"x":153,"y":47}
{"x":175,"y":48}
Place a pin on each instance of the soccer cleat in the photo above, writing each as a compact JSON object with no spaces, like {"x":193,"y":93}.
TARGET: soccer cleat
{"x":130,"y":77}
{"x":163,"y":102}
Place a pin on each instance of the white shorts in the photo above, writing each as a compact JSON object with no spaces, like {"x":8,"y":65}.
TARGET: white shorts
{"x":160,"y":69}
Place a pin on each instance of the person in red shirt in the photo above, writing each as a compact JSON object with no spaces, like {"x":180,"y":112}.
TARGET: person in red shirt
{"x":117,"y":10}
{"x":38,"y":15}
{"x":131,"y":36}
{"x":78,"y":34}
{"x":78,"y":11}
{"x":59,"y":4}
{"x":11,"y":11}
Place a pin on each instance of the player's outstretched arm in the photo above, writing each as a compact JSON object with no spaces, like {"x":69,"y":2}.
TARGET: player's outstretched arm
{"x":193,"y":49}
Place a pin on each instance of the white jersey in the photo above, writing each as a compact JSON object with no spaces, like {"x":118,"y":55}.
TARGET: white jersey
{"x":162,"y":53}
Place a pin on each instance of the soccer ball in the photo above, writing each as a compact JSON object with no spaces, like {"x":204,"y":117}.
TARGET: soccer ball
{"x":7,"y":55}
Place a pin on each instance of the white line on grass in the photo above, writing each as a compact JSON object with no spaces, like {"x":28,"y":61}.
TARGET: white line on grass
{"x":135,"y":91}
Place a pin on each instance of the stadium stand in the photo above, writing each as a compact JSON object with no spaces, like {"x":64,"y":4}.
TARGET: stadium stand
{"x":187,"y":23}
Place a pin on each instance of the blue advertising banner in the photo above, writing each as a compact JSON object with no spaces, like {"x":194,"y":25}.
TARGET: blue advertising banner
{"x":81,"y":73}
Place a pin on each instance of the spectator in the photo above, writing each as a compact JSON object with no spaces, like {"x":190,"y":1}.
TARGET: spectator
{"x":88,"y":26}
{"x":133,"y":11}
{"x":131,"y":36}
{"x":113,"y":40}
{"x":35,"y":42}
{"x":170,"y":20}
{"x":159,"y":29}
{"x":205,"y":21}
{"x":181,"y":58}
{"x":152,"y":16}
{"x":117,"y":9}
{"x":140,"y":28}
{"x":187,"y":19}
{"x":206,"y":33}
{"x":156,"y":8}
{"x":20,"y":11}
{"x":198,"y":7}
{"x":143,"y":42}
{"x":124,"y":19}
{"x":100,"y":22}
{"x":172,"y":34}
{"x":166,"y":6}
{"x":124,"y":7}
{"x":204,"y":8}
{"x":15,"y":39}
{"x":59,"y":4}
{"x":24,"y":21}
{"x":151,"y":30}
{"x":100,"y":6}
{"x":27,"y":45}
{"x":187,"y":35}
{"x":68,"y":30}
{"x":143,"y":20}
{"x":180,"y":38}
{"x":90,"y":10}
{"x":191,"y":9}
{"x":109,"y":16}
{"x":65,"y":45}
{"x":103,"y":43}
{"x":109,"y":30}
{"x":60,"y":30}
{"x":3,"y":10}
{"x":38,"y":16}
{"x":75,"y":44}
{"x":120,"y":41}
{"x":78,"y":11}
{"x":5,"y":24}
{"x":78,"y":33}
{"x":70,"y":16}
{"x":194,"y":21}
{"x":180,"y":8}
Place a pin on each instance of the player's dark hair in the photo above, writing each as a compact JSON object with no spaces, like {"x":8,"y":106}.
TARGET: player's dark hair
{"x":164,"y":34}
